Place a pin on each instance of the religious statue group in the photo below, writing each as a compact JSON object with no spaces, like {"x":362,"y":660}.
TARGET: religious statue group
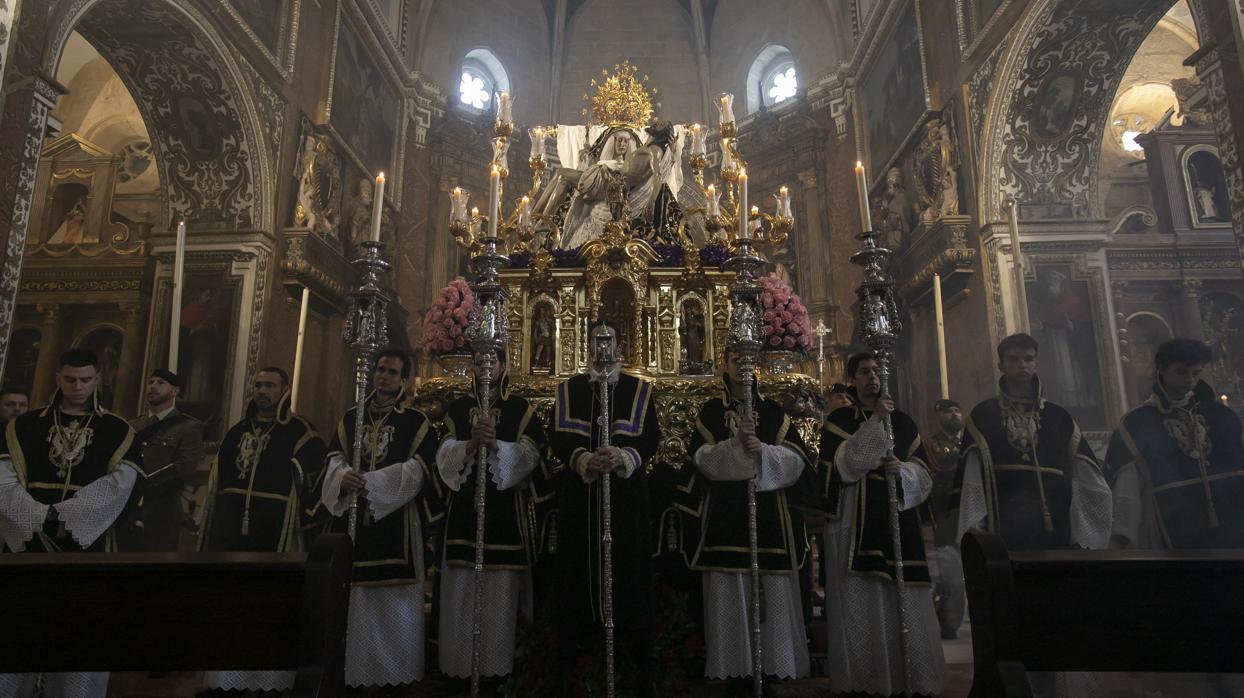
{"x":74,"y":477}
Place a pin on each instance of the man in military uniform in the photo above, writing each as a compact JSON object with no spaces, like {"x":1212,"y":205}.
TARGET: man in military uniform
{"x":263,"y":490}
{"x":172,"y":446}
{"x":66,"y":473}
{"x":14,"y":402}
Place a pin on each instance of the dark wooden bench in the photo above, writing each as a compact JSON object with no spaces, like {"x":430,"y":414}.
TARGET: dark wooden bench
{"x":1152,"y":611}
{"x":169,"y":612}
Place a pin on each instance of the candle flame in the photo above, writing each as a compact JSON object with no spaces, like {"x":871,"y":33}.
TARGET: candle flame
{"x":743,"y":173}
{"x":859,"y":164}
{"x":755,"y":210}
{"x":380,"y":178}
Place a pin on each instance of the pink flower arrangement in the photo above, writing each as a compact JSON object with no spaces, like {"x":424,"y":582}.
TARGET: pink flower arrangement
{"x":445,"y":324}
{"x":785,"y":318}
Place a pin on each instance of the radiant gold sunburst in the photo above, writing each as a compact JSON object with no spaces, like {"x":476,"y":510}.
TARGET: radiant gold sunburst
{"x":621,"y":99}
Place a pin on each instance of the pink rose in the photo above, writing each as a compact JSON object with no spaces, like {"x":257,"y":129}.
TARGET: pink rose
{"x":456,"y":331}
{"x":447,"y":322}
{"x":775,"y":340}
{"x":805,"y":341}
{"x":788,"y":342}
{"x":768,"y":316}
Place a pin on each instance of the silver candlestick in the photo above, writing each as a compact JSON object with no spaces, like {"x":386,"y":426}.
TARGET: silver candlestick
{"x":879,"y":327}
{"x":367,"y":332}
{"x":488,"y":336}
{"x":746,"y":337}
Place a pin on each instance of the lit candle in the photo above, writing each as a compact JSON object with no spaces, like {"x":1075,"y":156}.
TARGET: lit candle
{"x":494,"y":200}
{"x":179,"y":266}
{"x":698,"y":145}
{"x":524,"y":212}
{"x":459,"y":198}
{"x":861,"y":187}
{"x":714,"y":205}
{"x":474,"y":221}
{"x":504,"y":108}
{"x":725,"y":108}
{"x":537,"y":142}
{"x":377,"y":208}
{"x":500,"y":146}
{"x":727,"y":156}
{"x":744,"y":232}
{"x":784,"y":202}
{"x":753,"y":221}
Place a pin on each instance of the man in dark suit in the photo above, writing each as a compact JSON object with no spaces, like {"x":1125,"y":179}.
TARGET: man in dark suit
{"x":172,"y":446}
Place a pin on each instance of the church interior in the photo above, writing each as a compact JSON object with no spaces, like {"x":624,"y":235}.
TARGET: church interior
{"x":213,"y":187}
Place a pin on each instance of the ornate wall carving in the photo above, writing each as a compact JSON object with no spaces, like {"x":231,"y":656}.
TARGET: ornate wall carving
{"x":1044,"y":143}
{"x":207,"y":162}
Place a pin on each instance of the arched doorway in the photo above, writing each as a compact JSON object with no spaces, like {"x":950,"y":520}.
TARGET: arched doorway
{"x":196,"y":138}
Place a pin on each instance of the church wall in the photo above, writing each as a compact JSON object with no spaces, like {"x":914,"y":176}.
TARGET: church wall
{"x":517,"y":32}
{"x":603,"y":32}
{"x":742,"y":29}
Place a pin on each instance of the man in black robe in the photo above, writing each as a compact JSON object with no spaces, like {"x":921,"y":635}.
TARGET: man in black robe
{"x":1028,"y":473}
{"x":398,"y":496}
{"x":865,"y":638}
{"x":262,"y":493}
{"x":575,"y":441}
{"x":66,"y":474}
{"x":1176,"y":463}
{"x":727,"y":449}
{"x":172,"y":447}
{"x":514,"y":442}
{"x":14,"y":402}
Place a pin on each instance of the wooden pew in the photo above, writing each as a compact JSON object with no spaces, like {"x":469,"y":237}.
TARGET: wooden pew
{"x":169,"y":612}
{"x":1152,"y":611}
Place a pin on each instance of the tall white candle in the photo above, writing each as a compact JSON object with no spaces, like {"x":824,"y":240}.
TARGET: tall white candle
{"x":504,"y":108}
{"x":377,"y":208}
{"x":714,"y":204}
{"x":861,"y":188}
{"x":725,"y":108}
{"x":727,"y":156}
{"x":179,"y":270}
{"x":941,"y":335}
{"x":474,"y":221}
{"x":698,"y":145}
{"x":784,"y":202}
{"x":537,"y":142}
{"x":744,"y":232}
{"x":302,"y":336}
{"x":1017,"y":259}
{"x":753,"y":221}
{"x":494,"y":200}
{"x":524,"y":212}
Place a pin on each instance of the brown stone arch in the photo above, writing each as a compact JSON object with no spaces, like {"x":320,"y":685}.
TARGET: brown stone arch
{"x":194,"y":99}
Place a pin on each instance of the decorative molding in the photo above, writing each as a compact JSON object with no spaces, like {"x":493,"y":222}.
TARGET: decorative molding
{"x":286,"y":40}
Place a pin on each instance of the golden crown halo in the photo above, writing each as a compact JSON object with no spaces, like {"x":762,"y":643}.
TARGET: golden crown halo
{"x":621,"y":99}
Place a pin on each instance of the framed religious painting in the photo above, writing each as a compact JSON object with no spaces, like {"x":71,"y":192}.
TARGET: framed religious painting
{"x":270,"y":26}
{"x":894,"y":86}
{"x":1063,"y":317}
{"x":364,"y":111}
{"x":975,"y":19}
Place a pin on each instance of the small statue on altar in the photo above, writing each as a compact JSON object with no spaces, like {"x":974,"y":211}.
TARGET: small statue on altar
{"x":542,"y":338}
{"x":358,"y":216}
{"x":693,"y":337}
{"x":897,"y":209}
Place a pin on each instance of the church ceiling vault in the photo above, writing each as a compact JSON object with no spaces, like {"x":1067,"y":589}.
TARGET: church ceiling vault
{"x":1049,"y":113}
{"x":191,"y":107}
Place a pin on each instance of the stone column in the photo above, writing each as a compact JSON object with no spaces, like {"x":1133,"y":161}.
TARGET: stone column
{"x":1218,"y":65}
{"x":129,"y":382}
{"x":1190,"y":301}
{"x":28,"y":98}
{"x":49,"y":349}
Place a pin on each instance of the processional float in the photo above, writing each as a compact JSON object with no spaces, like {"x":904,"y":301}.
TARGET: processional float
{"x":621,"y":100}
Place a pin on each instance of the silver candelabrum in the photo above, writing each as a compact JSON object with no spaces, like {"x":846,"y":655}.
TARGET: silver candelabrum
{"x":367,"y":333}
{"x":879,"y":326}
{"x":745,"y":339}
{"x":488,"y":336}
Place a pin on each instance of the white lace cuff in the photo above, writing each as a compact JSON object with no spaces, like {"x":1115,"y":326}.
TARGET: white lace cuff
{"x":862,"y":453}
{"x":453,"y":463}
{"x":21,"y":517}
{"x":392,"y":487}
{"x":94,"y":508}
{"x":725,"y":461}
{"x":331,"y":494}
{"x":916,"y":483}
{"x":780,"y":468}
{"x":511,"y":463}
